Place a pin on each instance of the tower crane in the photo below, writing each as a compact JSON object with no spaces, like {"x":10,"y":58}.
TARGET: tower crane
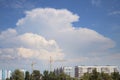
{"x":32,"y":65}
{"x":51,"y":61}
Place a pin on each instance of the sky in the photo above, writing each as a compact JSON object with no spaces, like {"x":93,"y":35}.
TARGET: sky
{"x":71,"y":32}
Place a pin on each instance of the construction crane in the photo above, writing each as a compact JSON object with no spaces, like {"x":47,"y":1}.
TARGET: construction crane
{"x":51,"y":61}
{"x":32,"y":65}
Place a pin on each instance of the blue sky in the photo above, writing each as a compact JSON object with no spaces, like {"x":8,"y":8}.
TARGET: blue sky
{"x":83,"y":32}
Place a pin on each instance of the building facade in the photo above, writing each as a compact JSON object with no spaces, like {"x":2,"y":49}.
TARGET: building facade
{"x":5,"y":74}
{"x":67,"y":70}
{"x":0,"y":74}
{"x":80,"y":70}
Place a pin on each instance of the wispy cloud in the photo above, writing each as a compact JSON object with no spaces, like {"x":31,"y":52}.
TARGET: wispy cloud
{"x":96,"y":2}
{"x":114,"y":13}
{"x":17,"y":4}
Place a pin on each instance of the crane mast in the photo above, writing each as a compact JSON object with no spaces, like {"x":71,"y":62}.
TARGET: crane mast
{"x":51,"y":61}
{"x":32,"y":65}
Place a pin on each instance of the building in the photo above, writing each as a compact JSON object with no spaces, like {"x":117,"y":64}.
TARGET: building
{"x":66,"y":70}
{"x":80,"y":70}
{"x":5,"y":74}
{"x":0,"y":74}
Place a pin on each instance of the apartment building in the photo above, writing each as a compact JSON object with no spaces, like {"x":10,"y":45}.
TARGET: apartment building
{"x":5,"y":74}
{"x":67,"y":70}
{"x":80,"y":70}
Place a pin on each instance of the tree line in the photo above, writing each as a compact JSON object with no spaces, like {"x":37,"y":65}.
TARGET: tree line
{"x":100,"y":76}
{"x":36,"y":75}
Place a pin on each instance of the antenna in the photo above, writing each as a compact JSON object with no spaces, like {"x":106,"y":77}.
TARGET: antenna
{"x":32,"y":65}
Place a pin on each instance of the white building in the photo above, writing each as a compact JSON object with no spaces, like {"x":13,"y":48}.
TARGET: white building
{"x":80,"y":70}
{"x":0,"y":74}
{"x":5,"y":74}
{"x":67,"y":70}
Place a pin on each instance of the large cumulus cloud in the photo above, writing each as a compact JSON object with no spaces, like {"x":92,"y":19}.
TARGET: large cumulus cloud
{"x":58,"y":24}
{"x":27,"y":45}
{"x":45,"y":32}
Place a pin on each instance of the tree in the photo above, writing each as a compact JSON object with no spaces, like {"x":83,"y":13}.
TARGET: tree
{"x":105,"y":76}
{"x":52,"y":76}
{"x":36,"y":75}
{"x":115,"y":76}
{"x":11,"y":78}
{"x":94,"y":75}
{"x":18,"y":75}
{"x":7,"y":79}
{"x":63,"y":76}
{"x":27,"y":75}
{"x":49,"y":76}
{"x":86,"y":76}
{"x":99,"y":76}
{"x":45,"y":75}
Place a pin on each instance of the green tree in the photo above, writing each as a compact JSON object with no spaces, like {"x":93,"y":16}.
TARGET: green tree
{"x":94,"y":75}
{"x":52,"y":76}
{"x":63,"y":76}
{"x":49,"y":75}
{"x":105,"y":76}
{"x":115,"y":76}
{"x":7,"y":79}
{"x":27,"y":75}
{"x":100,"y":76}
{"x":45,"y":75}
{"x":36,"y":75}
{"x":86,"y":76}
{"x":11,"y":78}
{"x":18,"y":75}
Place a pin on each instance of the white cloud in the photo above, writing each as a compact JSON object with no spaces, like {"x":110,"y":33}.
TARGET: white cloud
{"x":96,"y":2}
{"x":39,"y":47}
{"x":57,"y":24}
{"x":115,"y":56}
{"x":7,"y":53}
{"x":114,"y":13}
{"x":26,"y":53}
{"x":86,"y":40}
{"x":80,"y":59}
{"x":37,"y":41}
{"x":47,"y":31}
{"x":8,"y":33}
{"x":29,"y":45}
{"x":46,"y":21}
